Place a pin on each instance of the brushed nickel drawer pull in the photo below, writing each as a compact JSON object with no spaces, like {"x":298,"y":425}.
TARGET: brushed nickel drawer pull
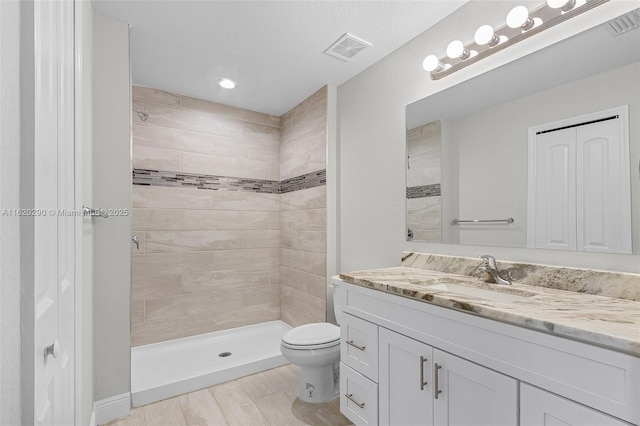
{"x":422,"y":382}
{"x":436,"y":390}
{"x":350,"y":342}
{"x":350,"y":398}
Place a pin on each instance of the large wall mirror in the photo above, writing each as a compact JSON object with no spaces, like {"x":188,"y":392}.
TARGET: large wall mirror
{"x":542,"y":152}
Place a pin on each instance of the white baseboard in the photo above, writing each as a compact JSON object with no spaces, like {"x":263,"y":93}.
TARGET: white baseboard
{"x":92,"y":420}
{"x":111,"y":408}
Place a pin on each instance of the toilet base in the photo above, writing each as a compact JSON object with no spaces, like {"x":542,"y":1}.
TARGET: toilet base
{"x":319,"y":384}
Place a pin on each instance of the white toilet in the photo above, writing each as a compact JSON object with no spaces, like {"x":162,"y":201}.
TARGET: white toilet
{"x":315,"y":348}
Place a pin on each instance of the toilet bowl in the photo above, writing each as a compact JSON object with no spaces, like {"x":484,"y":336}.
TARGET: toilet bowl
{"x":315,"y":348}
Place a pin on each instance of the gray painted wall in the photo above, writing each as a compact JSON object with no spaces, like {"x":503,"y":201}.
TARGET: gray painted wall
{"x":371,"y":116}
{"x":111,"y":190}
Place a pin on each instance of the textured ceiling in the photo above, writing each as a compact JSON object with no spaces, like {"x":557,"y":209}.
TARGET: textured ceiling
{"x":272,"y":49}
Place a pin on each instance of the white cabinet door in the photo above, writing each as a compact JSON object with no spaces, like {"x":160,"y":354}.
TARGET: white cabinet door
{"x":405,"y":385}
{"x":555,"y":190}
{"x":542,"y":408}
{"x":603,"y":189}
{"x":469,"y":394}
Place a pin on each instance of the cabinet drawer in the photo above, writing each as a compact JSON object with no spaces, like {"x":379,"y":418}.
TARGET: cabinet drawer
{"x":358,"y":397}
{"x":359,"y":346}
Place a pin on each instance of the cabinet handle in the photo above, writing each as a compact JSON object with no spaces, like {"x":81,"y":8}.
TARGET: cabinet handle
{"x":422,"y":382}
{"x":436,"y":389}
{"x":350,"y":398}
{"x":350,"y":342}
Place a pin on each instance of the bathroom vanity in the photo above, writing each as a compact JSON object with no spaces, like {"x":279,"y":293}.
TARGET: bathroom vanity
{"x":426,"y":347}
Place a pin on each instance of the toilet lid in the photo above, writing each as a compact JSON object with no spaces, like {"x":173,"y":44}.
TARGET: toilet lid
{"x":312,"y":334}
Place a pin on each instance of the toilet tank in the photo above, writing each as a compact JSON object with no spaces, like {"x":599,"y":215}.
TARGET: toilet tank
{"x":334,"y":294}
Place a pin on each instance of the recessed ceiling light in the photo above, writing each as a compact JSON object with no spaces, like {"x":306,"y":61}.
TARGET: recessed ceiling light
{"x":225,"y":83}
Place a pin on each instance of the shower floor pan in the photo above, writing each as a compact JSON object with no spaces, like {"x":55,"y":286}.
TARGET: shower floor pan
{"x":166,"y":369}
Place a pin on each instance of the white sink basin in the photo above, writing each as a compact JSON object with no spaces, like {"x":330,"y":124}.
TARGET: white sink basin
{"x":478,"y":292}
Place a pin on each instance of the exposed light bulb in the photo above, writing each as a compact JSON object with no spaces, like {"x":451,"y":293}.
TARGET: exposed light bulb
{"x":431,"y":63}
{"x":456,"y":50}
{"x":485,"y":35}
{"x":563,"y":5}
{"x":519,"y":18}
{"x":225,"y":83}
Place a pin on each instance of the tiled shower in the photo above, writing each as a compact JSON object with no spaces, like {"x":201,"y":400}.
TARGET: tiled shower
{"x":229,"y":206}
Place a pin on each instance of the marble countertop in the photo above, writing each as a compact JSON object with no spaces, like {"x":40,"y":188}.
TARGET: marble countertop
{"x":604,"y":321}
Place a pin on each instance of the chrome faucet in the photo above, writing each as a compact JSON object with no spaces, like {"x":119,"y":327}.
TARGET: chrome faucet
{"x":490,"y":273}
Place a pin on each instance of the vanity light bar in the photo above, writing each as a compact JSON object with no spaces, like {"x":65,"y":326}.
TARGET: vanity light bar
{"x":520,"y":26}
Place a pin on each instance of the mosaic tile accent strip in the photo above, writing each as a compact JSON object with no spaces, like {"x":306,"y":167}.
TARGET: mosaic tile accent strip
{"x":423,"y":191}
{"x":226,"y":183}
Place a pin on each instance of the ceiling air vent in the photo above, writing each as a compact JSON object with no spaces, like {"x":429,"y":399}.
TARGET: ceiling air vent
{"x":346,"y":47}
{"x":625,"y":23}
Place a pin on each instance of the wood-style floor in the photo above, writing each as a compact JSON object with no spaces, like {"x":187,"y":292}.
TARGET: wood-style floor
{"x":266,"y":398}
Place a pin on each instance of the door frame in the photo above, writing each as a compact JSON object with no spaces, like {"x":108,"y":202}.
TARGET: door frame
{"x":621,"y":111}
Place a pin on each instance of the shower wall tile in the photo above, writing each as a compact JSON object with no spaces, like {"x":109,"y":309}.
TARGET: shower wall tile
{"x":222,"y":166}
{"x":155,"y":95}
{"x":313,"y":263}
{"x":313,"y":220}
{"x":175,"y":139}
{"x":247,"y":149}
{"x":208,"y":107}
{"x":303,"y":216}
{"x":247,"y":315}
{"x":151,"y":219}
{"x":311,"y":198}
{"x":153,"y":331}
{"x":203,"y":282}
{"x":261,"y":132}
{"x":305,"y":282}
{"x":156,"y":286}
{"x":312,"y":241}
{"x":147,"y":265}
{"x":261,"y":239}
{"x":211,"y":302}
{"x":179,"y":241}
{"x":275,"y":121}
{"x":241,"y":259}
{"x":171,"y":198}
{"x":215,"y":259}
{"x":137,"y":311}
{"x":154,"y":158}
{"x":223,"y":219}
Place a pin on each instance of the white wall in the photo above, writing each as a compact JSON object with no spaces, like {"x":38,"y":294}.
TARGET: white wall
{"x":371,"y":115}
{"x":9,"y":226}
{"x":111,"y":190}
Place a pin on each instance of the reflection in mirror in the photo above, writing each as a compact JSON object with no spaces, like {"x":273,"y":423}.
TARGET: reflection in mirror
{"x":482,"y":129}
{"x":424,"y":216}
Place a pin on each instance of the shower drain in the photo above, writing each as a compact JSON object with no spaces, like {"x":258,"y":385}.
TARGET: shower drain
{"x":224,"y":354}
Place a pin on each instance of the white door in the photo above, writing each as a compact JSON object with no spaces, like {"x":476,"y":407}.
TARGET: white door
{"x":405,"y":384}
{"x":555,"y":207}
{"x":603,"y":189}
{"x":469,"y":394}
{"x":54,"y":232}
{"x":541,"y":408}
{"x":579,"y":184}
